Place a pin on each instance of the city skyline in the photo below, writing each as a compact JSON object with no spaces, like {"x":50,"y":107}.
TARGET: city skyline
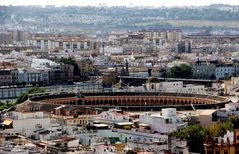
{"x":156,"y":3}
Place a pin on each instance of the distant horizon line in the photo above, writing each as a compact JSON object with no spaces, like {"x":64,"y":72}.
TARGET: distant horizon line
{"x":105,"y":5}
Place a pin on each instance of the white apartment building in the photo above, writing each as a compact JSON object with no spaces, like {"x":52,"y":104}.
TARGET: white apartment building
{"x":153,"y":84}
{"x":154,"y":41}
{"x":115,"y":115}
{"x":26,"y":122}
{"x":165,"y":122}
{"x":108,"y":50}
{"x":22,"y":75}
{"x":43,"y":44}
{"x":229,"y":110}
{"x":168,"y":34}
{"x":69,"y":43}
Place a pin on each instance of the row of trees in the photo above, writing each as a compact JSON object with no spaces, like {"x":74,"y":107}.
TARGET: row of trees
{"x":6,"y":105}
{"x":196,"y":134}
{"x":22,"y":98}
{"x":179,"y":71}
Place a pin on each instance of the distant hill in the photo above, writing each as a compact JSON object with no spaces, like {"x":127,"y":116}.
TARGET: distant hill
{"x":118,"y":17}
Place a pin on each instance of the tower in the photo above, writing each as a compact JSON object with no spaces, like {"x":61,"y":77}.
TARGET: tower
{"x":126,"y":68}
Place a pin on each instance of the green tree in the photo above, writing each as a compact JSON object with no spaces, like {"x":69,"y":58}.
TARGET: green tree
{"x":164,"y":75}
{"x":24,"y":96}
{"x":234,"y":120}
{"x":194,"y":135}
{"x":218,"y":129}
{"x":181,"y":71}
{"x":71,"y":61}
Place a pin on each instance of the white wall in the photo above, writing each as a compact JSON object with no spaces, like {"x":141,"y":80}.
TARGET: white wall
{"x":113,"y":116}
{"x":160,"y":124}
{"x":29,"y":124}
{"x":73,"y":143}
{"x":172,"y":86}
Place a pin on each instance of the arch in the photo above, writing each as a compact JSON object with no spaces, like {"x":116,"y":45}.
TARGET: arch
{"x":183,"y":102}
{"x":88,"y":102}
{"x":165,"y":102}
{"x":152,"y":86}
{"x":114,"y":102}
{"x":79,"y":101}
{"x":101,"y":102}
{"x":110,"y":102}
{"x":173,"y":101}
{"x":106,"y":102}
{"x":131,"y":99}
{"x":97,"y":102}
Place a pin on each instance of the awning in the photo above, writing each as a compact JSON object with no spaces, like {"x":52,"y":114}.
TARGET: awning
{"x":7,"y":122}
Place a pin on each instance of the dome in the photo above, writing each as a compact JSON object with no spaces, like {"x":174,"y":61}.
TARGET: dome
{"x":152,"y":80}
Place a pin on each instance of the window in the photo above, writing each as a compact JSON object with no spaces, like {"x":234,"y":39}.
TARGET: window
{"x":166,"y":121}
{"x":152,"y":86}
{"x":74,"y":46}
{"x":67,"y":46}
{"x":237,"y":137}
{"x":82,"y":45}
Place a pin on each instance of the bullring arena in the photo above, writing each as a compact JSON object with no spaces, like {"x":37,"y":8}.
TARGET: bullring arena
{"x":131,"y":101}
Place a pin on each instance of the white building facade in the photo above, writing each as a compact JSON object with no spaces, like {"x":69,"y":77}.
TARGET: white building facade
{"x":165,"y":122}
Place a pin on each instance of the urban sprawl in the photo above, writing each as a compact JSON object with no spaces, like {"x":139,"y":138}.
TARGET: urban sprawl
{"x":126,"y":92}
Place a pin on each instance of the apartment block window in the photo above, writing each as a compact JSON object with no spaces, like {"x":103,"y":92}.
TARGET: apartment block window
{"x":74,"y":46}
{"x":82,"y":45}
{"x":68,"y":46}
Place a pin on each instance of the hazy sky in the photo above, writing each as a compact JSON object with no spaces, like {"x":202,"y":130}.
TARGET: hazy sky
{"x":119,"y":2}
